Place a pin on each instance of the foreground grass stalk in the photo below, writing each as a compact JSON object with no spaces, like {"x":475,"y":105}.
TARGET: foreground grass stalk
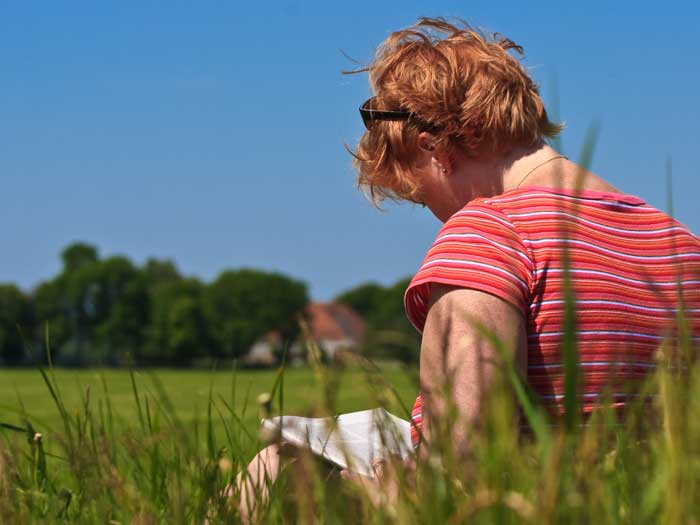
{"x":100,"y":466}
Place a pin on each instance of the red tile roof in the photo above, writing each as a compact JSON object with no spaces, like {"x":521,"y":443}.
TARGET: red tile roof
{"x":335,"y":322}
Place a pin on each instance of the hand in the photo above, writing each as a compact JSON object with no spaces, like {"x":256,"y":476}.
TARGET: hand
{"x":383,"y":488}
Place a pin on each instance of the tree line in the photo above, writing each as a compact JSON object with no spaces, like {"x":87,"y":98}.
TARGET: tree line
{"x":111,"y":312}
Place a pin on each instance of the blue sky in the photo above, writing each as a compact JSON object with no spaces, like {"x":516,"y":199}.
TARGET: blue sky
{"x":212,"y":133}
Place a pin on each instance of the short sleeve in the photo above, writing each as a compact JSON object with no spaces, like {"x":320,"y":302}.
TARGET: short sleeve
{"x":477,"y":248}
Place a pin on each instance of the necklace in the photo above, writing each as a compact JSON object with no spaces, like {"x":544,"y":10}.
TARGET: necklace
{"x":539,"y":166}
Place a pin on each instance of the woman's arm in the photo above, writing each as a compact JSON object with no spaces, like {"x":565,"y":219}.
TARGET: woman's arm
{"x":455,"y":360}
{"x":458,"y":361}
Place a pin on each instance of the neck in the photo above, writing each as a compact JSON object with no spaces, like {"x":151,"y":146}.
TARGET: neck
{"x":525,"y":165}
{"x":470,"y":178}
{"x":486,"y":177}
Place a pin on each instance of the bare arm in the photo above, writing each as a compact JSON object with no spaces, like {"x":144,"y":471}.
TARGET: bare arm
{"x":458,"y":361}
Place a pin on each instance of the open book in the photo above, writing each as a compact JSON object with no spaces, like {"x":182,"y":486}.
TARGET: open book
{"x":353,"y":441}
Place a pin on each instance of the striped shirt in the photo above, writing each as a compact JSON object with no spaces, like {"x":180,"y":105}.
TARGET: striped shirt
{"x":631,"y":267}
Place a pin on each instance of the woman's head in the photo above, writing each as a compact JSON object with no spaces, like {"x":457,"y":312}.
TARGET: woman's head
{"x":462,"y":87}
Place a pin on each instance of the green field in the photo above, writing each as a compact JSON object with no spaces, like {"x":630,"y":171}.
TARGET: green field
{"x":25,"y":395}
{"x":166,"y":449}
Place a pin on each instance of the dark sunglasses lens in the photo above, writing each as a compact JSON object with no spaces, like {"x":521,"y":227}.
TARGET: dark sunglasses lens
{"x":366,"y":113}
{"x":366,"y":117}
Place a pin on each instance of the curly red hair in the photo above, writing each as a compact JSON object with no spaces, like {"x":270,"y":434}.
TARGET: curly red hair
{"x":463,"y":83}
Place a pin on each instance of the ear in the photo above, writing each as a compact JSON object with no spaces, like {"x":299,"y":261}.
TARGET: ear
{"x":440,"y":159}
{"x":427,"y":145}
{"x":426,"y":142}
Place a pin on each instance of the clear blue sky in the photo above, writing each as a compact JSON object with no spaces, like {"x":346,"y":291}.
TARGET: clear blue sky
{"x":212,"y":133}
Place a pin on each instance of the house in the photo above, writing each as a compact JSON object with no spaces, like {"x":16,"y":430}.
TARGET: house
{"x":262,"y":353}
{"x":334,"y":326}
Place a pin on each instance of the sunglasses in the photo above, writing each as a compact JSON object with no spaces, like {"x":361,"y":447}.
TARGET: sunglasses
{"x":370,"y":115}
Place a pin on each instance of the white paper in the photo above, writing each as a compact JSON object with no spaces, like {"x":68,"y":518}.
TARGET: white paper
{"x":352,"y":441}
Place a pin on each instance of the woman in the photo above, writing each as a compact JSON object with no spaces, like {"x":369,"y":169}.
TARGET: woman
{"x":457,"y":125}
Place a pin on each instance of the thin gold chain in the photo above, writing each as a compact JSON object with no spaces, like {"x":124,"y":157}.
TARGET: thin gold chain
{"x":539,"y":166}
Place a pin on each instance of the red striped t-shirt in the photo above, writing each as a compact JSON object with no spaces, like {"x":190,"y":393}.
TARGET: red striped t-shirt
{"x":631,"y":267}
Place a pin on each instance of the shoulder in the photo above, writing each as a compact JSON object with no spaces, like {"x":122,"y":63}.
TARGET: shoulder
{"x":478,"y":248}
{"x":479,"y":221}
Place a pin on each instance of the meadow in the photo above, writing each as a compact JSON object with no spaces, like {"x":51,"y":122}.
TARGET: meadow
{"x":111,"y":446}
{"x":162,"y":446}
{"x":24,"y":394}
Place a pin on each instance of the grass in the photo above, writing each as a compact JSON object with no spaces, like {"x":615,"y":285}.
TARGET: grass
{"x":160,"y":447}
{"x":163,"y":448}
{"x":113,"y":446}
{"x":188,"y":392}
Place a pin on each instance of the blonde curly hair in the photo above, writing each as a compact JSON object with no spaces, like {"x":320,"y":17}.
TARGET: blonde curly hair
{"x":472,"y":94}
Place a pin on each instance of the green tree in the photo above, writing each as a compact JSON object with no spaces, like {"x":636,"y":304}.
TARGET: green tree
{"x":177,"y":332}
{"x":121,"y":308}
{"x":15,"y":324}
{"x":96,"y":309}
{"x":159,"y":271}
{"x":77,"y":255}
{"x":389,"y":309}
{"x":65,"y":303}
{"x":364,"y":299}
{"x":50,"y":310}
{"x":187,"y":334}
{"x":243,"y":305}
{"x":80,"y":298}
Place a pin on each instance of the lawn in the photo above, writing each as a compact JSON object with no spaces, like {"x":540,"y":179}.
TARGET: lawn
{"x":172,"y":456}
{"x":187,"y":392}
